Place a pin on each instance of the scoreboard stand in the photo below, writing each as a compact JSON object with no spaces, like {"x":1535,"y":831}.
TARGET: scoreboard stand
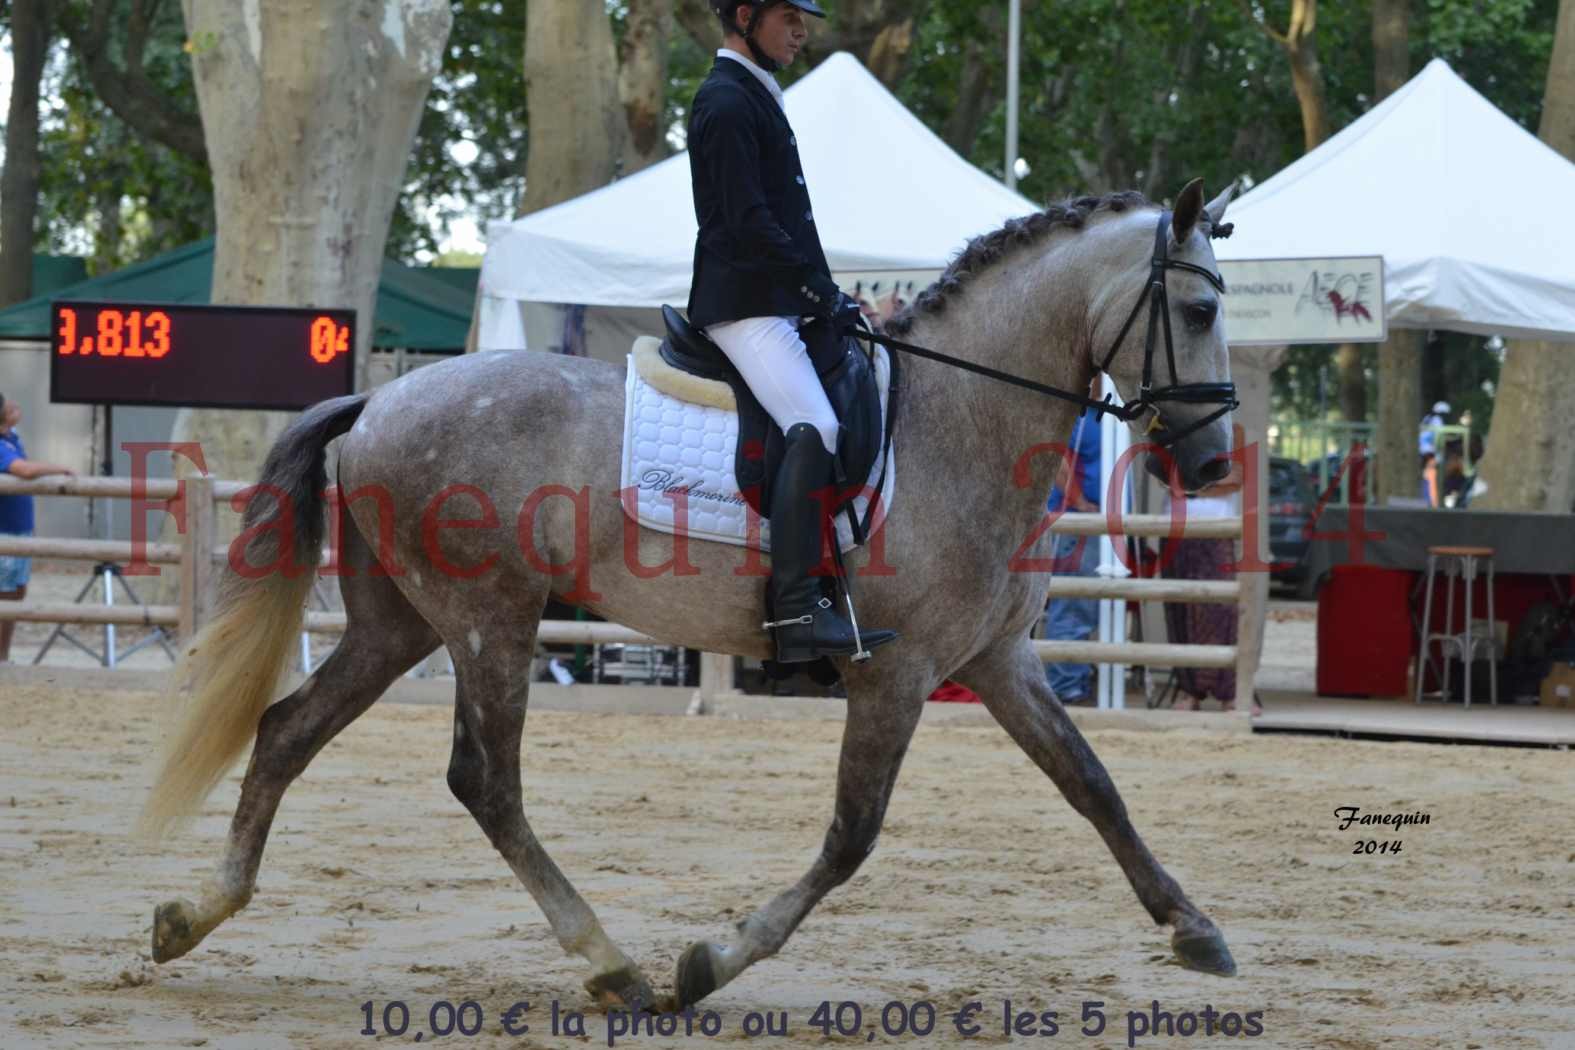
{"x":180,"y":355}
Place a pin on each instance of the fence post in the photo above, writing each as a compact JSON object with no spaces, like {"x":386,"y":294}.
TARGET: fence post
{"x":716,"y":675}
{"x":196,"y":564}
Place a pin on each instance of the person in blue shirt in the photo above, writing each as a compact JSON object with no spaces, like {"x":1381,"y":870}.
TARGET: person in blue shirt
{"x":1074,"y":619}
{"x":16,"y":513}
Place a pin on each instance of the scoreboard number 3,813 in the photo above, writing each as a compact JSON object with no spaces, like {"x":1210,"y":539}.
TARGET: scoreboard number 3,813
{"x":199,"y":355}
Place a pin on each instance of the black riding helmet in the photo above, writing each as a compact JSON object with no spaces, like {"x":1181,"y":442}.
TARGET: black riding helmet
{"x":726,"y":8}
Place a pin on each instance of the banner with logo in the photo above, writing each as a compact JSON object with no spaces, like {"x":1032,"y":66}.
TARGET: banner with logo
{"x":1277,"y":301}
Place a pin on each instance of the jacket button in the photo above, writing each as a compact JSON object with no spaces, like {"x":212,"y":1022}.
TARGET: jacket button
{"x":799,"y":179}
{"x":809,"y":216}
{"x":792,"y":140}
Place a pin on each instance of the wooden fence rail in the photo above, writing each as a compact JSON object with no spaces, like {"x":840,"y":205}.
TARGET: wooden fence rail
{"x":201,"y":558}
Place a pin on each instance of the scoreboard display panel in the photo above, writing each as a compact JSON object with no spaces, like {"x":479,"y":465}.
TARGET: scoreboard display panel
{"x":121,"y":353}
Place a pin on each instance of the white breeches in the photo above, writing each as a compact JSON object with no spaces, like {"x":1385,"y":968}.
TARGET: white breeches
{"x":773,"y":360}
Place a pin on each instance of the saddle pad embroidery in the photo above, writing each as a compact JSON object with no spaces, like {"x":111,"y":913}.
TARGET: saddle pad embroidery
{"x":672,"y":446}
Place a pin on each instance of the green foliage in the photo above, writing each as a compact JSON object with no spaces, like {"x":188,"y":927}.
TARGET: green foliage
{"x":1500,"y":47}
{"x":89,"y":156}
{"x":1145,"y":94}
{"x":91,"y":161}
{"x":1115,"y":94}
{"x":477,"y":97}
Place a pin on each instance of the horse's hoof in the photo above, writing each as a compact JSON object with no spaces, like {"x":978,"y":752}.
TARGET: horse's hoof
{"x":696,"y":974}
{"x":626,"y":988}
{"x":172,"y":930}
{"x":1204,"y":952}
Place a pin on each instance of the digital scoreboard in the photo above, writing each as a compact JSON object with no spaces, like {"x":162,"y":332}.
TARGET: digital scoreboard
{"x":117,"y":353}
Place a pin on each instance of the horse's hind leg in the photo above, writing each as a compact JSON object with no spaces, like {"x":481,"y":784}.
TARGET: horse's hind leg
{"x":493,"y":666}
{"x":1011,"y":682}
{"x":384,"y":638}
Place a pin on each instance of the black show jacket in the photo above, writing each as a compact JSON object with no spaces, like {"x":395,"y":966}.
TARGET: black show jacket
{"x":757,"y":253}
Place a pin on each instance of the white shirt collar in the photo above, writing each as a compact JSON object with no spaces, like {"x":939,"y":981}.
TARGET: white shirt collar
{"x":760,"y":74}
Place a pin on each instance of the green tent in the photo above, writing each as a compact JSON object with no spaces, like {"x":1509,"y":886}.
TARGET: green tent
{"x":57,"y":271}
{"x":414,"y":311}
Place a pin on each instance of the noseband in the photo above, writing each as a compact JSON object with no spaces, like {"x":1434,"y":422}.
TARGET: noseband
{"x":1149,"y":398}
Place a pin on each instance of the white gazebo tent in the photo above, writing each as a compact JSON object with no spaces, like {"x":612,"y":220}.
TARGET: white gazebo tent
{"x":1468,"y":209}
{"x":889,"y":196}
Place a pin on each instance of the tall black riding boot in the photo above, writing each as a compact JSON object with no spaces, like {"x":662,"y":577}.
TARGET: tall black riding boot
{"x":807,"y":625}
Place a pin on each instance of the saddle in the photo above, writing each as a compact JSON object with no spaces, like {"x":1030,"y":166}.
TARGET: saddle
{"x":847,"y":374}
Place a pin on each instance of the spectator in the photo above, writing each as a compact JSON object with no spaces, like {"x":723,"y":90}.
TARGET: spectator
{"x":1455,"y":483}
{"x":1427,"y":440}
{"x":1199,"y":623}
{"x":1074,"y":619}
{"x":16,"y":513}
{"x":1428,"y":489}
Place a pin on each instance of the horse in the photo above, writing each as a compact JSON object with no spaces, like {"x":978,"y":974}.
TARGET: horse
{"x":1043,"y":298}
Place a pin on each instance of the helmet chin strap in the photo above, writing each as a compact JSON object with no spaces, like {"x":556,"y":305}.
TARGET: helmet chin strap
{"x":763,"y":60}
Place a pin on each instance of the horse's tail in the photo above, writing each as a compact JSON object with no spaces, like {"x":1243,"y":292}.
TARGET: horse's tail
{"x":227,"y":675}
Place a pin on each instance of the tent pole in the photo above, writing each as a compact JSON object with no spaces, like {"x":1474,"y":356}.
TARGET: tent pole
{"x":1014,"y":34}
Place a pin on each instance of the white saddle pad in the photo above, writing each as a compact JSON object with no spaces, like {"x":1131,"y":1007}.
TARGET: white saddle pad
{"x":680,"y":435}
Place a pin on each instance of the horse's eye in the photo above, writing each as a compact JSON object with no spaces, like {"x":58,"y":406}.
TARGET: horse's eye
{"x":1200,"y":315}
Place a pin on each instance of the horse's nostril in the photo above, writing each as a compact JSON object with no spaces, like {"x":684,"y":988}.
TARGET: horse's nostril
{"x":1214,"y":470}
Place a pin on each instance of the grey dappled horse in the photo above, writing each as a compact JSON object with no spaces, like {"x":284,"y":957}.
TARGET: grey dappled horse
{"x":1043,"y":298}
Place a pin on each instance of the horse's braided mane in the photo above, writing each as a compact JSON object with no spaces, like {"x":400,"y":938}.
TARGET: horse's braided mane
{"x":984,"y":251}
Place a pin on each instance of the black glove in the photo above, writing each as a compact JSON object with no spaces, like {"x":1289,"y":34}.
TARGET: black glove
{"x":847,"y":312}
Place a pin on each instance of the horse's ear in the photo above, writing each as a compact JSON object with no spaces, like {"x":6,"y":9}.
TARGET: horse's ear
{"x":1216,"y":207}
{"x":1189,"y":207}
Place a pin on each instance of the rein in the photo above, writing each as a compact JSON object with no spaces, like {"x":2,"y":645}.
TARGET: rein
{"x":1149,"y":398}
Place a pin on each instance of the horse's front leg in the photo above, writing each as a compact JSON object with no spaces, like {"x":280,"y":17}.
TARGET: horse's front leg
{"x":1011,"y":681}
{"x":882,"y":715}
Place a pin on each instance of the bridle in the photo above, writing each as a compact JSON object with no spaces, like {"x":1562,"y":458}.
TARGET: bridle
{"x":1149,"y":397}
{"x":1221,"y":394}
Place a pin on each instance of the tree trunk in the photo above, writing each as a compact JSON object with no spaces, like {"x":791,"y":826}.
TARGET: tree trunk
{"x":1399,"y":380}
{"x":1299,"y":43}
{"x":1182,"y":61}
{"x":642,"y":82}
{"x":19,"y":181}
{"x":309,"y":111}
{"x":1399,"y":359}
{"x":878,"y":32}
{"x":1435,"y":371}
{"x":975,"y":95}
{"x":1528,"y":465}
{"x":1307,"y":80}
{"x":106,"y":239}
{"x":1391,"y":46}
{"x":702,"y":26}
{"x":577,"y":127}
{"x":888,"y":53}
{"x":1558,"y":98}
{"x":1351,"y":379}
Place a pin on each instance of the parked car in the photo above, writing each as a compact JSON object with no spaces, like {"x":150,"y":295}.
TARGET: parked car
{"x":1341,"y":486}
{"x":1292,"y":499}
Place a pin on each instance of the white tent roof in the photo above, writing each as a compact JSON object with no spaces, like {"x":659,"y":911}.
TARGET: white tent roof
{"x":1469,"y":210}
{"x":888,"y":194}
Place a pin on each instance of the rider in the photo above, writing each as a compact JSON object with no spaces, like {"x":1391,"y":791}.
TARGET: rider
{"x":758,"y":271}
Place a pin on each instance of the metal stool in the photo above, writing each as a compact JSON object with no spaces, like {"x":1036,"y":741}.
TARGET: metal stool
{"x":1462,"y":562}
